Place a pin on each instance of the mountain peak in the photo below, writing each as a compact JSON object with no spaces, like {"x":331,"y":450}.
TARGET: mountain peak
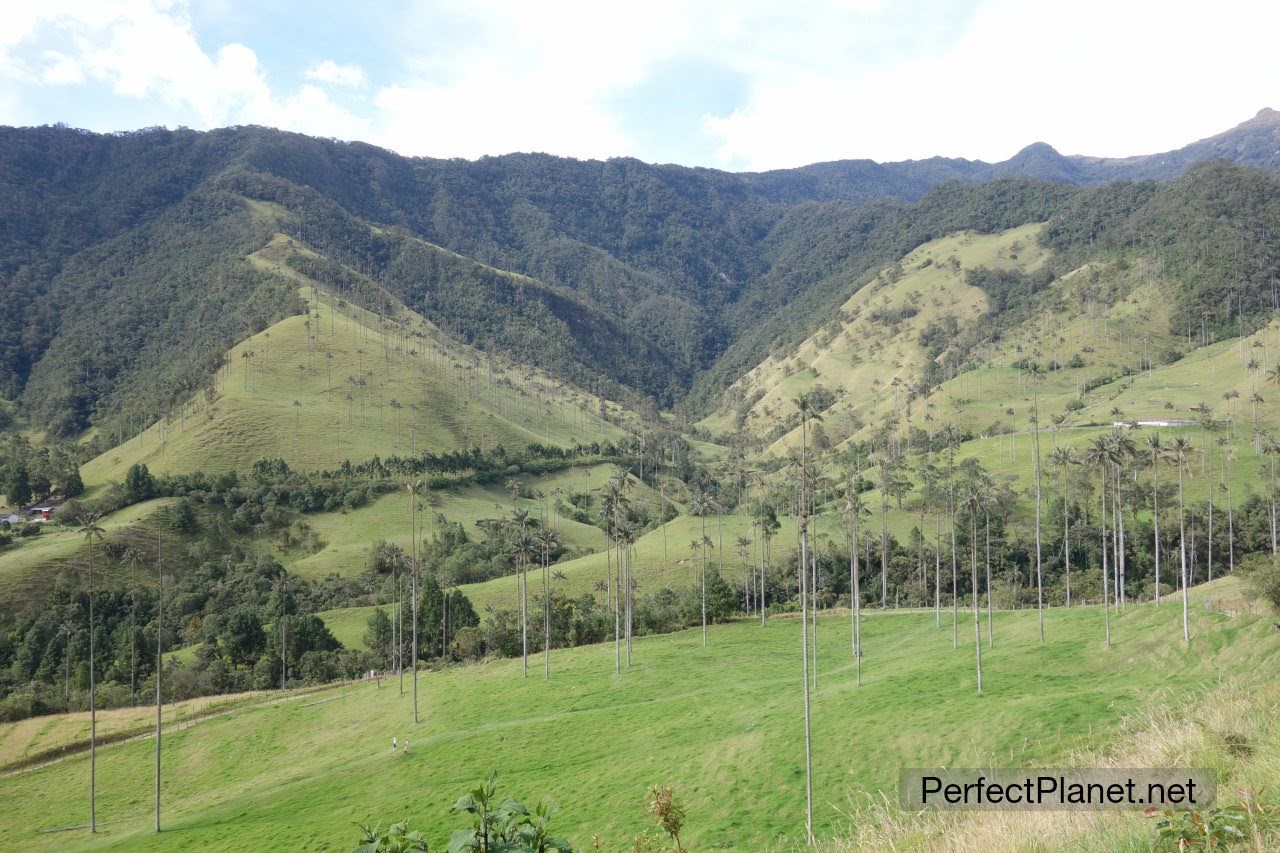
{"x":1036,"y":149}
{"x":1266,"y":117}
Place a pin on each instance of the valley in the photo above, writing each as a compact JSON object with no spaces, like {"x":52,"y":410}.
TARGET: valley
{"x":573,"y":456}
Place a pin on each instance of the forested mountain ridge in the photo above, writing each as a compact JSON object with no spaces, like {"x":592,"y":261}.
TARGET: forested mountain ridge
{"x":1255,"y":142}
{"x":123,"y":251}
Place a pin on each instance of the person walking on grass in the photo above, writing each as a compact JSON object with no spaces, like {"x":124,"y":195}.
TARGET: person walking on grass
{"x":394,"y":743}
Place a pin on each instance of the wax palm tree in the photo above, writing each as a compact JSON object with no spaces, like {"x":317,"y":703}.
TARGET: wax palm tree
{"x":1180,"y":453}
{"x":522,"y":549}
{"x":1156,"y":449}
{"x":769,"y":527}
{"x":613,"y":505}
{"x":1098,"y":455}
{"x":159,"y":665}
{"x":91,"y":530}
{"x":1035,"y":373}
{"x":133,"y":559}
{"x":883,"y":462}
{"x":546,"y":542}
{"x":415,"y":489}
{"x":807,"y":414}
{"x":852,"y":510}
{"x":1062,"y":458}
{"x":975,"y":496}
{"x":744,"y":554}
{"x":1271,"y":450}
{"x":701,"y":506}
{"x":1122,"y":448}
{"x":1228,"y":458}
{"x":626,"y":542}
{"x":1229,"y":396}
{"x":1254,"y":399}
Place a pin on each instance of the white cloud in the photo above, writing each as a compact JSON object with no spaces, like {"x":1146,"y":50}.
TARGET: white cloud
{"x":61,"y":70}
{"x":826,"y":79}
{"x":148,"y":52}
{"x":1090,"y":77}
{"x":336,"y":75}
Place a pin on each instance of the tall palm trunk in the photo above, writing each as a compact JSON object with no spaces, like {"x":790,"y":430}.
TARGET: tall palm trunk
{"x":611,"y":597}
{"x":1182,"y":549}
{"x":93,"y":711}
{"x":1066,"y":546}
{"x":1035,"y":436}
{"x":702,"y":576}
{"x":973,"y":583}
{"x":159,"y":665}
{"x":1209,"y":538}
{"x":804,"y":633}
{"x":813,"y":594}
{"x":937,"y":571}
{"x":955,"y":590}
{"x":760,"y":597}
{"x":855,"y":588}
{"x":1155,"y":518}
{"x":524,"y":613}
{"x":991,"y":635}
{"x":413,"y":591}
{"x":884,"y":544}
{"x":1231,"y":527}
{"x":1106,"y":595}
{"x":1117,"y":535}
{"x":630,"y":592}
{"x":1272,"y":503}
{"x":546,"y":616}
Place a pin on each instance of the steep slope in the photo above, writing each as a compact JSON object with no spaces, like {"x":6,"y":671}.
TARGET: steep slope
{"x":871,"y":356}
{"x":343,"y":383}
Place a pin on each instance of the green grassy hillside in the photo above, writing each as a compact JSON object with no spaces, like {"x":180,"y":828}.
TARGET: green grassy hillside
{"x":346,"y":384}
{"x":28,"y":567}
{"x":348,"y":535}
{"x":721,"y":725}
{"x":871,"y":353}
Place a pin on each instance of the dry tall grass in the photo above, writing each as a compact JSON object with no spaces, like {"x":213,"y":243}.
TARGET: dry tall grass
{"x":1231,"y":729}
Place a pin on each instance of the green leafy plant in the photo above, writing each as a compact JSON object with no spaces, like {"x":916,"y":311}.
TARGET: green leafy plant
{"x":1260,"y":817}
{"x":503,"y":827}
{"x":395,"y":839}
{"x":1215,"y":829}
{"x":670,"y":815}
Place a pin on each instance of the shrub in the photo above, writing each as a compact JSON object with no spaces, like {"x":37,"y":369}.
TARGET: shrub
{"x":395,"y":839}
{"x":669,"y":813}
{"x":1262,"y":574}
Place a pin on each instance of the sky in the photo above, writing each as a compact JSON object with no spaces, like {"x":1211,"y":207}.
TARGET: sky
{"x":742,"y":85}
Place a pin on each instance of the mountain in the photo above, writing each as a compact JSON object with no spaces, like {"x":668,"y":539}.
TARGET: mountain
{"x":124,"y":271}
{"x":1255,"y":142}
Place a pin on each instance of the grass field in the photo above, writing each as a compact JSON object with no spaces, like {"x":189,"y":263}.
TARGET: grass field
{"x":348,"y":624}
{"x":349,"y":535}
{"x":722,"y":725}
{"x":279,"y":395}
{"x":651,"y":568}
{"x":37,"y":736}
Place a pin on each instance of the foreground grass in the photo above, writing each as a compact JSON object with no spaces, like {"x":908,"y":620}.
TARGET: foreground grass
{"x":722,"y":725}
